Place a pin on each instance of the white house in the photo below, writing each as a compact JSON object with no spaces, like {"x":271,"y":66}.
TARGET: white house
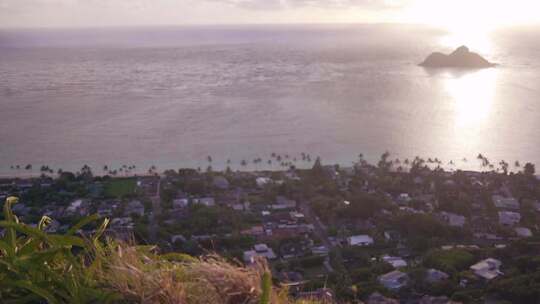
{"x":487,"y":269}
{"x":262,"y":181}
{"x":259,"y":250}
{"x":396,"y":262}
{"x":180,"y":203}
{"x":360,"y":240}
{"x":74,"y":206}
{"x":394,"y":280}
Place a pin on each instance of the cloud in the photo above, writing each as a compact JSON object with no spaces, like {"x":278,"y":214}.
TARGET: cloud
{"x":333,"y":4}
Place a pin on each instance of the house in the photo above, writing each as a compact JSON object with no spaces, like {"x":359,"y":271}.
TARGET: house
{"x":396,"y":262}
{"x":523,"y":232}
{"x":206,"y":201}
{"x":403,"y":198}
{"x":452,"y":219}
{"x":509,"y":218}
{"x":74,"y":206}
{"x":262,"y":181}
{"x":180,"y":203}
{"x":221,"y":182}
{"x":122,"y":226}
{"x":320,"y":250}
{"x":487,"y":269}
{"x":360,"y":240}
{"x":259,"y":250}
{"x":105,"y":211}
{"x":434,"y":276}
{"x":505,"y":202}
{"x":283,"y":203}
{"x":394,"y":280}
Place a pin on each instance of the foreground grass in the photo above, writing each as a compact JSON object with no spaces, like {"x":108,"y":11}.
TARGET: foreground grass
{"x":37,"y":267}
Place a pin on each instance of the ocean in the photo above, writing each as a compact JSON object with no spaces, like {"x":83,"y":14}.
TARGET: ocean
{"x":171,"y":96}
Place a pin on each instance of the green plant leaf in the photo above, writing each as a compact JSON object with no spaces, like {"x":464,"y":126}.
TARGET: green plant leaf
{"x":85,"y":221}
{"x":43,"y":293}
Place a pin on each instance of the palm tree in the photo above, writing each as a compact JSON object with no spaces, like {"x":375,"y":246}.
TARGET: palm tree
{"x":504,"y":166}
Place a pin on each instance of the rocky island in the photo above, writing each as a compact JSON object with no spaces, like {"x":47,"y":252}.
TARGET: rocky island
{"x":462,"y":57}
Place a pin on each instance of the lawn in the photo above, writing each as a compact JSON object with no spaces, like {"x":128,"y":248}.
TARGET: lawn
{"x":120,"y":187}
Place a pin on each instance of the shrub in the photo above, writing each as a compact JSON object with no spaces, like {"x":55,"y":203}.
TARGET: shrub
{"x":36,"y":266}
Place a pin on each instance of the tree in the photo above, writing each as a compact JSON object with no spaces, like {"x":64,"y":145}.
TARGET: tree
{"x":317,"y":166}
{"x":529,"y":169}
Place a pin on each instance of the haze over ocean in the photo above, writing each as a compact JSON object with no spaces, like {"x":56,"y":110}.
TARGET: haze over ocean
{"x":170,"y":96}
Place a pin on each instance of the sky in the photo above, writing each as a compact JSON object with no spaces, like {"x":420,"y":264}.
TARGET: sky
{"x":99,"y":13}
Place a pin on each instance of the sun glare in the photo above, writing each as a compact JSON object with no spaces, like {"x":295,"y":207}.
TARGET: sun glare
{"x":471,"y":22}
{"x":472,"y":96}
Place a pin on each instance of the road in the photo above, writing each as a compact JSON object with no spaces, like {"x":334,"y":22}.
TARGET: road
{"x":320,"y":230}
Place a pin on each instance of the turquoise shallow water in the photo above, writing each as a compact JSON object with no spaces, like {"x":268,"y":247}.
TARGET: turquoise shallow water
{"x":171,"y":96}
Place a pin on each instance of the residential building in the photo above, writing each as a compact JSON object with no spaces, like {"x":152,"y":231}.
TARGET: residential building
{"x":509,"y":218}
{"x":502,"y":202}
{"x":394,"y":280}
{"x":259,"y":250}
{"x":396,"y":262}
{"x":487,"y":269}
{"x":434,"y":276}
{"x":360,"y":240}
{"x":452,"y":219}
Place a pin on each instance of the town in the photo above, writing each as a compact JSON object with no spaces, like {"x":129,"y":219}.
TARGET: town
{"x":394,"y":232}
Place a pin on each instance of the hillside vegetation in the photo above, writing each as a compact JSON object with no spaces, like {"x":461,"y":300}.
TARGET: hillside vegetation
{"x":39,"y":267}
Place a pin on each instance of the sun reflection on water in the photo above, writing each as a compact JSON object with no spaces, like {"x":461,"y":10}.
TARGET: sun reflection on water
{"x":472,"y":95}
